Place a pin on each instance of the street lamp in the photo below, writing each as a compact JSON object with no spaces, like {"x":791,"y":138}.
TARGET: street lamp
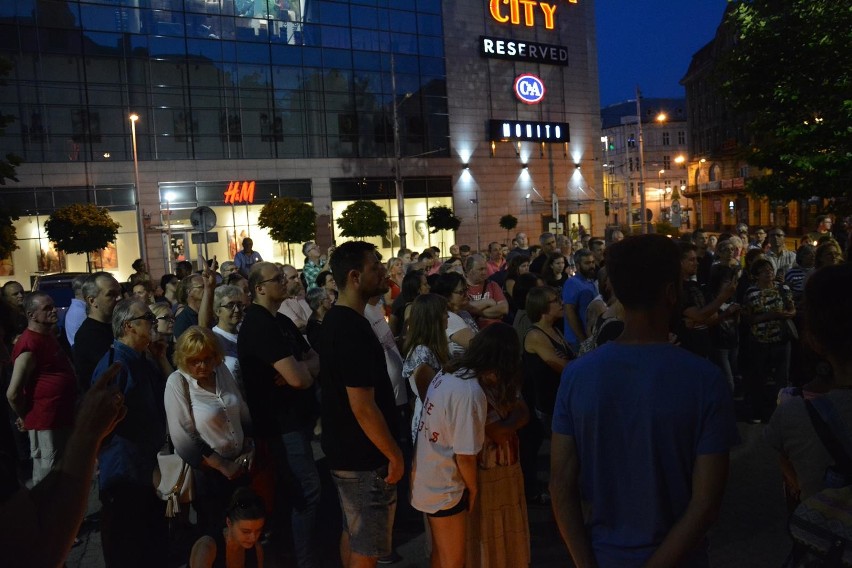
{"x":642,"y":201}
{"x":143,"y":250}
{"x":700,"y":196}
{"x":397,"y":158}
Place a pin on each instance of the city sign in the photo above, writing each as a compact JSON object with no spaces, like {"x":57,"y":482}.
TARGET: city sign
{"x":513,"y":50}
{"x":526,"y":12}
{"x":240,"y":192}
{"x":527,"y":131}
{"x":529,"y":89}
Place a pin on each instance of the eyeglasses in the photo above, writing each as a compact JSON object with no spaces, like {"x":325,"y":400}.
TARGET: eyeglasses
{"x":147,"y":316}
{"x":233,"y":306}
{"x":197,"y":362}
{"x":166,"y":318}
{"x":279,"y":278}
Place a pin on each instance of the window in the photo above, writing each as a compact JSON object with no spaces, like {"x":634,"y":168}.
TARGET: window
{"x":666,"y":140}
{"x":630,"y":164}
{"x":230,"y":127}
{"x":86,"y":126}
{"x":681,"y":137}
{"x":631,"y":141}
{"x":631,"y":188}
{"x":667,"y":162}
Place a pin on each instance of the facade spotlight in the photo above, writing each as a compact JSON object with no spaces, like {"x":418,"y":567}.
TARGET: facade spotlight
{"x":466,"y":166}
{"x":577,"y":165}
{"x":526,"y":166}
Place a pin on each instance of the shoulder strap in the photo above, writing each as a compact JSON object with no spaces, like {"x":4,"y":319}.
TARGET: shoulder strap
{"x":828,"y":438}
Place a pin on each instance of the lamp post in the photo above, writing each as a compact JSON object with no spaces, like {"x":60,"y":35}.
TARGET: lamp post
{"x":397,"y":158}
{"x":642,"y":203}
{"x":143,"y":250}
{"x":661,"y":189}
{"x":700,"y":196}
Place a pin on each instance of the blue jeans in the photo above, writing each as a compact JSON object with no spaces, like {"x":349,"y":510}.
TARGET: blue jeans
{"x":303,"y":488}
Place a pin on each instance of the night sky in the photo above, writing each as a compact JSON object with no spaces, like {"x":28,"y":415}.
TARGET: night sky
{"x":650,"y":43}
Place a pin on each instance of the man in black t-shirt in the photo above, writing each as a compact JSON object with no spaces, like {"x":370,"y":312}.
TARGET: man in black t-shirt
{"x":358,"y":409}
{"x":278,"y":368}
{"x":101,"y":292}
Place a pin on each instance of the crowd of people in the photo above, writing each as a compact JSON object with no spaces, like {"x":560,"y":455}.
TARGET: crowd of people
{"x":630,"y":354}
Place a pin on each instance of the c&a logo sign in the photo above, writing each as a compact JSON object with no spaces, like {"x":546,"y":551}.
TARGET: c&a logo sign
{"x":529,"y":89}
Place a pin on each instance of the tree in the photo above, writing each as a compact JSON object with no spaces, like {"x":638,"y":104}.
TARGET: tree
{"x":82,"y":228}
{"x":8,"y":234}
{"x":7,"y":164}
{"x":787,"y":72}
{"x":289,"y":221}
{"x":441,"y":218}
{"x":362,"y":219}
{"x":508,"y":222}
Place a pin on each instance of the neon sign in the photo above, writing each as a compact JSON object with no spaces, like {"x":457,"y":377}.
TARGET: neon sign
{"x":240,"y":192}
{"x":529,"y":89}
{"x":526,"y":9}
{"x":526,"y":131}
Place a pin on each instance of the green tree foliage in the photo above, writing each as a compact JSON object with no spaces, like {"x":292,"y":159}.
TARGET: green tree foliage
{"x":289,"y":220}
{"x":441,"y":218}
{"x":8,"y":234}
{"x":363,"y":219}
{"x":81,"y":228}
{"x":7,"y":164}
{"x":788,"y":71}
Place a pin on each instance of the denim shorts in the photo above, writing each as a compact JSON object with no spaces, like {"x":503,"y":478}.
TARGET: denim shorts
{"x":369,"y":505}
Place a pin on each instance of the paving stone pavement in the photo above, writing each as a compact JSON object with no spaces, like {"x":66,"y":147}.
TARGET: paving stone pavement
{"x":751,"y":532}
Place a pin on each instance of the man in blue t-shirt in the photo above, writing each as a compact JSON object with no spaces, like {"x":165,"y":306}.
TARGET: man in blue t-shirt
{"x":642,"y":429}
{"x":577,"y":293}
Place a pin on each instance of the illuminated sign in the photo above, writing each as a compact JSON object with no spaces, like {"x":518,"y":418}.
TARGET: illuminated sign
{"x":513,"y":50}
{"x":526,"y":12}
{"x":526,"y":131}
{"x":529,"y":89}
{"x":240,"y":192}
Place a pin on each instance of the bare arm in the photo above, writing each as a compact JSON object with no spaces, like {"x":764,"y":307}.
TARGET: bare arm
{"x":538,"y":343}
{"x":463,"y":337}
{"x":38,"y":527}
{"x":708,"y":313}
{"x":205,"y":311}
{"x":498,"y":310}
{"x":467,"y":469}
{"x":203,"y":553}
{"x":423,"y":375}
{"x":370,"y":418}
{"x":295,"y":373}
{"x":708,"y":487}
{"x":574,"y":322}
{"x":22,"y":374}
{"x":565,"y":492}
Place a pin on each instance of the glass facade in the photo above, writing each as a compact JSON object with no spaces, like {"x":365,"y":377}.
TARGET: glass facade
{"x":222,"y":79}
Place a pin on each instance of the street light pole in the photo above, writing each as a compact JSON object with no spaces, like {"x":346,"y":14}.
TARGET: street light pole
{"x":397,"y":174}
{"x":642,"y":203}
{"x":700,"y":196}
{"x":143,"y":249}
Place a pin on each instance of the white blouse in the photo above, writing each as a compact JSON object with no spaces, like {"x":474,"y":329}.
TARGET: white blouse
{"x":207,"y":420}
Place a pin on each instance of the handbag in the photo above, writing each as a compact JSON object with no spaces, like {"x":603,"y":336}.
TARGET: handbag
{"x":821,"y":526}
{"x":173,"y":479}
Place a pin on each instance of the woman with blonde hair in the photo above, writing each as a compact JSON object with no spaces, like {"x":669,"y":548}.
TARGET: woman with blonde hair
{"x":395,"y":274}
{"x":208,"y":423}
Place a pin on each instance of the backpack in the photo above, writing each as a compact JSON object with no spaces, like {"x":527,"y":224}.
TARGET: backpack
{"x":821,"y":526}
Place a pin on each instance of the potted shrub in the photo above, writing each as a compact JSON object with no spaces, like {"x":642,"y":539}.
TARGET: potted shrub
{"x":289,"y":221}
{"x":82,"y":228}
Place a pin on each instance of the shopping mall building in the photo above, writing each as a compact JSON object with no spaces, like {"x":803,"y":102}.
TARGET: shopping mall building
{"x":487,"y":106}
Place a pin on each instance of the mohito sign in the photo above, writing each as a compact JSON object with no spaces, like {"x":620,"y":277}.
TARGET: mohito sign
{"x":240,"y":192}
{"x":526,"y":131}
{"x":529,"y":89}
{"x":526,"y":12}
{"x":514,"y":50}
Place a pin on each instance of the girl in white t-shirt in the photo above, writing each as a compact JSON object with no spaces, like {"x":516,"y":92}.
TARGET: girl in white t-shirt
{"x":450,"y":434}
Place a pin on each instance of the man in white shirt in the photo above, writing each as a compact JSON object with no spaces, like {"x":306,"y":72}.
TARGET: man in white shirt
{"x":76,"y":314}
{"x":294,"y":306}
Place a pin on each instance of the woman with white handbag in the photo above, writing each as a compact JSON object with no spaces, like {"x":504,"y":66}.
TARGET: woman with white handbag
{"x":208,"y":421}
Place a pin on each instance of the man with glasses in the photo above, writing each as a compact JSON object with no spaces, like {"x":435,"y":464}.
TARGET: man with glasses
{"x":548,"y":245}
{"x":101,"y":291}
{"x":278,"y":368}
{"x":229,"y":306}
{"x":133,"y":528}
{"x":759,"y":238}
{"x":294,"y":305}
{"x":42,"y":391}
{"x":196,"y":292}
{"x":782,"y":259}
